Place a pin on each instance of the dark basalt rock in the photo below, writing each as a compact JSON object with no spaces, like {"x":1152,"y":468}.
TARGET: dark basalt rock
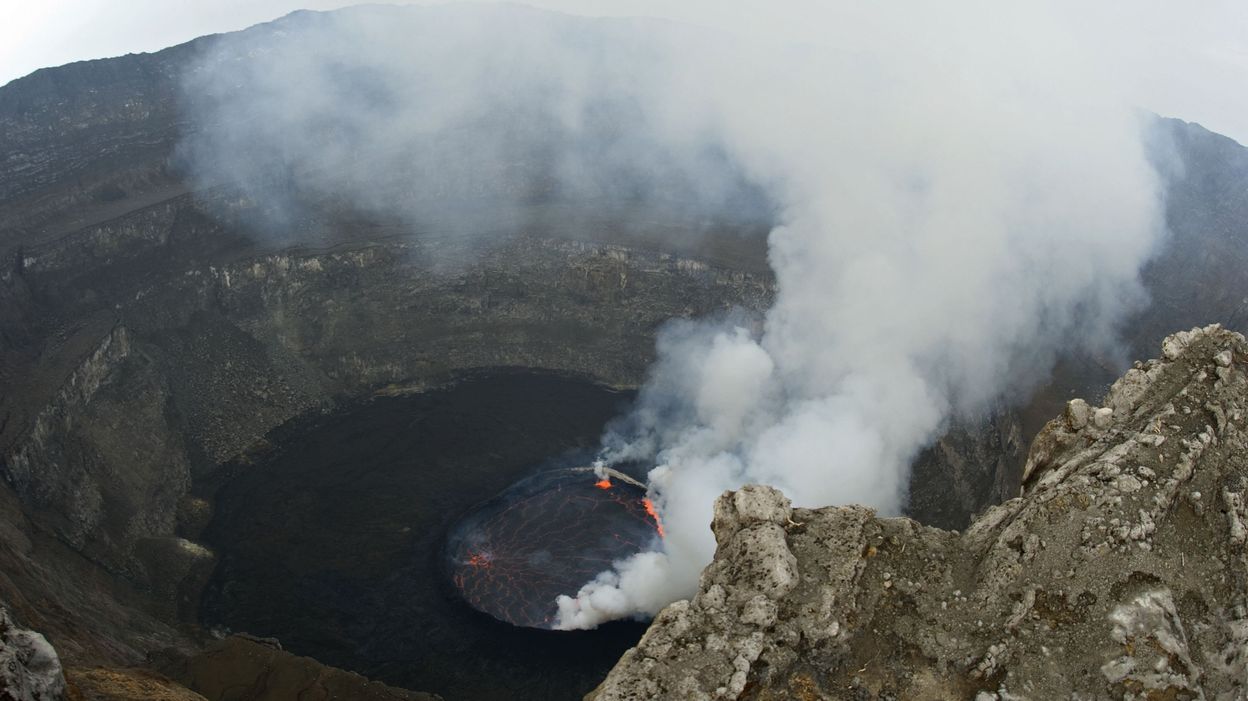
{"x":238,"y":668}
{"x":332,"y":540}
{"x":247,"y":669}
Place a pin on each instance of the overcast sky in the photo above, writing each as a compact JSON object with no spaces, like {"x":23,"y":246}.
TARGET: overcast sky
{"x":1187,"y":60}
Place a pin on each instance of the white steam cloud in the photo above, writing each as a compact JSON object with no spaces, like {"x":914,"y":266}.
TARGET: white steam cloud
{"x":962,"y":195}
{"x":961,"y":191}
{"x":461,"y":122}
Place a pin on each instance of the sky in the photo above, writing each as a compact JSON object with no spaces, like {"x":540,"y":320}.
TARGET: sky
{"x":1187,"y":60}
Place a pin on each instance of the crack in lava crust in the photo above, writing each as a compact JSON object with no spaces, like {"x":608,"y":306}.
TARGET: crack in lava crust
{"x":544,"y":536}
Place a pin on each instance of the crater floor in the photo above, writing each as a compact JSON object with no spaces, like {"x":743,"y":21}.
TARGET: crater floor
{"x":332,"y":541}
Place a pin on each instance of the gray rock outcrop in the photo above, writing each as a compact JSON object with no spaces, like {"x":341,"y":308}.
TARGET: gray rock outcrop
{"x":30,"y":669}
{"x":1120,"y":573}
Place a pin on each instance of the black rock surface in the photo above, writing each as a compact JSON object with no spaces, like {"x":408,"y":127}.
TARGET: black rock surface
{"x":333,"y":543}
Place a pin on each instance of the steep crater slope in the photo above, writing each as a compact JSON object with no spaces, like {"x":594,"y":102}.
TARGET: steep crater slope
{"x":192,"y":367}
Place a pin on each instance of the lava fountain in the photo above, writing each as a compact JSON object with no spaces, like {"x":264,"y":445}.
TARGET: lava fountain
{"x":547,"y":535}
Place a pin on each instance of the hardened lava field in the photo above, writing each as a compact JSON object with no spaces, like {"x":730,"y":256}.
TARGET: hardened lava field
{"x":545,"y":536}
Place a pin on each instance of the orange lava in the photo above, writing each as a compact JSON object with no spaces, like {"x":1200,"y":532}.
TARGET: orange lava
{"x":603,"y":483}
{"x":479,"y":560}
{"x":654,"y":514}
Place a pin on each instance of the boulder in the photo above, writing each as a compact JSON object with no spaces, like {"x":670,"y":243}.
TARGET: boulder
{"x":30,"y":670}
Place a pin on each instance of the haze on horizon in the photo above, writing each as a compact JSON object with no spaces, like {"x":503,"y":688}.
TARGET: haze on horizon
{"x":1179,"y":60}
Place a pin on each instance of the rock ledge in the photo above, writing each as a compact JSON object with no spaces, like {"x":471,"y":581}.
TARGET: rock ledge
{"x":1121,"y":572}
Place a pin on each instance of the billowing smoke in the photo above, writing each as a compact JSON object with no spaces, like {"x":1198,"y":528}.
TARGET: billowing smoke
{"x":960,"y":192}
{"x":962,"y":195}
{"x":459,"y":122}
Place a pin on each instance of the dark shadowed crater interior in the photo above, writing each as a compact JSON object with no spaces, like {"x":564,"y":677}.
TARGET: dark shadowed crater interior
{"x":545,"y":536}
{"x":333,"y":540}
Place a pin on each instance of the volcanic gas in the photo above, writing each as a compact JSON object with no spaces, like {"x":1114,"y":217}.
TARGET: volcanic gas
{"x":547,"y":535}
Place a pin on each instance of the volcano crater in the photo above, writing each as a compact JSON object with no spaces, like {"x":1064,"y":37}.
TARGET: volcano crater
{"x":333,"y":540}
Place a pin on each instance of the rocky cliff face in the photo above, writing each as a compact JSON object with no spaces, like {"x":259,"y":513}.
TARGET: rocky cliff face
{"x":149,"y":332}
{"x":199,"y":362}
{"x":1119,"y":573}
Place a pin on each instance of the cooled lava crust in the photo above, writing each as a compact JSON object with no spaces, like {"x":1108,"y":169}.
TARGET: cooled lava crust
{"x":547,"y":535}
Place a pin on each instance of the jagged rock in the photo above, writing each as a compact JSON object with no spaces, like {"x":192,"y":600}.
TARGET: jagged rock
{"x":978,"y":462}
{"x":1102,"y":417}
{"x":30,"y":669}
{"x":1107,"y":578}
{"x":1077,"y":414}
{"x":1156,"y":659}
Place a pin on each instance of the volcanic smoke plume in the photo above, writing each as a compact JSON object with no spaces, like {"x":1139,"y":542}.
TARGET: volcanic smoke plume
{"x":960,"y":191}
{"x":546,"y":535}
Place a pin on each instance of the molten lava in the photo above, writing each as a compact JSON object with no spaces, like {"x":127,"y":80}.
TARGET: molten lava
{"x":654,"y":514}
{"x":545,"y":536}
